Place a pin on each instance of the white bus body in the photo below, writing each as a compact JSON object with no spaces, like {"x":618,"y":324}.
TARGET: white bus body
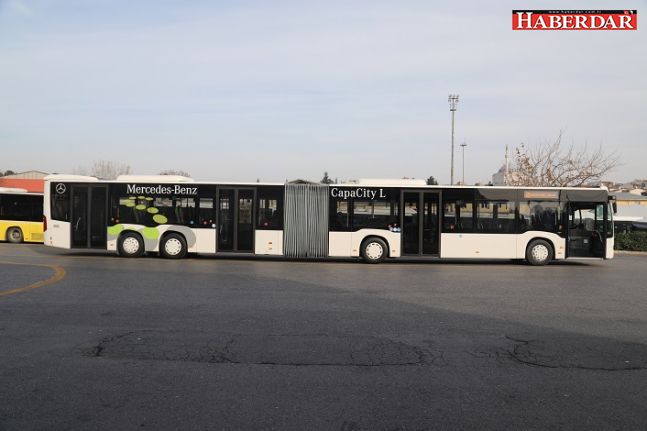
{"x":374,"y":219}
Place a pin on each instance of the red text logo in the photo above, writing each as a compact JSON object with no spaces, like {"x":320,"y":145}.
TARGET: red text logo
{"x":574,"y":19}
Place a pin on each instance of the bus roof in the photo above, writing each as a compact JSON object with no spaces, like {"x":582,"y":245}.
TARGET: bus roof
{"x":12,"y":190}
{"x":16,"y":191}
{"x":154,"y":179}
{"x":359,"y":183}
{"x":65,"y":177}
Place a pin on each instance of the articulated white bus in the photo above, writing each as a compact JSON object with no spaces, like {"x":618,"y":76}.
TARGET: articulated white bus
{"x":371,"y":219}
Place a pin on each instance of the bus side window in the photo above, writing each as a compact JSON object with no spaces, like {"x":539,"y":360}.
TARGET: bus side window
{"x":185,"y":211}
{"x":495,"y":216}
{"x":339,"y":215}
{"x":375,"y":214}
{"x":458,"y":216}
{"x":539,"y":215}
{"x":60,"y":207}
{"x":270,"y":208}
{"x":205,"y":212}
{"x":165,"y":208}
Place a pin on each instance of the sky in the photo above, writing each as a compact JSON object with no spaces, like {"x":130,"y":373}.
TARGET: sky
{"x":275,"y":90}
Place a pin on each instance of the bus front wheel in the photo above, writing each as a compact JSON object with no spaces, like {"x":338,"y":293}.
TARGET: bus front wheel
{"x":130,"y":244}
{"x":539,"y":252}
{"x":374,"y":250}
{"x":173,"y":246}
{"x":14,"y":235}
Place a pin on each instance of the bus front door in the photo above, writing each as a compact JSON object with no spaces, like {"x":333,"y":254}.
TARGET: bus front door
{"x":235,"y":219}
{"x":419,"y":223}
{"x":586,"y":229}
{"x":89,"y":216}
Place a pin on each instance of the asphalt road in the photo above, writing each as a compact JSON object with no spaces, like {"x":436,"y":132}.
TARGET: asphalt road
{"x":93,"y":341}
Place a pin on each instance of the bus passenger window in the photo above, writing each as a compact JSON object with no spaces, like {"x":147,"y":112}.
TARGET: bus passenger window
{"x":375,"y":215}
{"x":495,"y":216}
{"x":539,"y":215}
{"x":270,"y":208}
{"x":205,"y":213}
{"x":458,"y":216}
{"x":124,"y":210}
{"x":60,"y":207}
{"x":164,"y":207}
{"x":339,"y":216}
{"x":185,"y":211}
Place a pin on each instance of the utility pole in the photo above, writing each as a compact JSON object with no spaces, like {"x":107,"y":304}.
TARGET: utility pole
{"x":453,"y":101}
{"x":463,"y":145}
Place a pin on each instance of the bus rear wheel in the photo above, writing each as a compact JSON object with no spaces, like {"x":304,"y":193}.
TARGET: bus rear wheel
{"x":539,"y":252}
{"x":173,"y":246}
{"x":374,"y":250}
{"x":130,"y":244}
{"x":14,"y":235}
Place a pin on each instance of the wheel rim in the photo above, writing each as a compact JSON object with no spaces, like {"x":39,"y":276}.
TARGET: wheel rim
{"x":540,"y":253}
{"x":14,"y":235}
{"x":173,"y":247}
{"x":374,"y":251}
{"x":130,"y":245}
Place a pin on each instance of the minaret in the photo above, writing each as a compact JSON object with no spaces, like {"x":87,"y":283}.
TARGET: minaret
{"x":507,"y":167}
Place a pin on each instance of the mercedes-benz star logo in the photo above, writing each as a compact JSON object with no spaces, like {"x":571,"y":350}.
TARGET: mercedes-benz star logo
{"x":60,"y":188}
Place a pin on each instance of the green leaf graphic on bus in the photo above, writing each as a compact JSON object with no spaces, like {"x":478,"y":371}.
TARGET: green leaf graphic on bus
{"x":150,"y":233}
{"x":115,"y":230}
{"x":146,"y":213}
{"x":159,"y":218}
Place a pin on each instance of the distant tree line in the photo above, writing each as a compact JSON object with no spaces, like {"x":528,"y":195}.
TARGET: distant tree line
{"x":176,"y":172}
{"x":110,"y":170}
{"x":431,"y":181}
{"x":104,"y":169}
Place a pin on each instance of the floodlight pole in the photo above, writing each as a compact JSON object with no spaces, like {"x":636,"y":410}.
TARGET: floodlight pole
{"x":463,"y":145}
{"x":453,"y":101}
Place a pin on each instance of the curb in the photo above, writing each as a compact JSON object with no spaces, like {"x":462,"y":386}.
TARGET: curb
{"x":630,"y":253}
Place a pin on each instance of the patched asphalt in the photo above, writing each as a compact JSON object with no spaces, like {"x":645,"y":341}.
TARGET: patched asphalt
{"x":237,"y":344}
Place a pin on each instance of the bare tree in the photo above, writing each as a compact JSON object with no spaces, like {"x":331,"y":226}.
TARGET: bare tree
{"x":80,"y":170}
{"x":104,"y":169}
{"x":326,"y":179}
{"x":431,"y":181}
{"x":551,"y":164}
{"x":175,"y":172}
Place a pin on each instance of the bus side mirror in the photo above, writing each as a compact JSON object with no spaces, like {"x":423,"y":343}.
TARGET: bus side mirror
{"x":614,"y":205}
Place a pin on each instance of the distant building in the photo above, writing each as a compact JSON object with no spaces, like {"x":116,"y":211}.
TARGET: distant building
{"x":631,"y":205}
{"x":503,"y":176}
{"x":28,"y":175}
{"x":498,"y":178}
{"x":32,"y":181}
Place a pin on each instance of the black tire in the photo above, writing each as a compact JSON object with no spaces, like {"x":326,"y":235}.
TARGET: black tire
{"x":173,"y":246}
{"x":130,"y":244}
{"x":374,"y":250}
{"x":539,"y":252}
{"x":14,"y":235}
